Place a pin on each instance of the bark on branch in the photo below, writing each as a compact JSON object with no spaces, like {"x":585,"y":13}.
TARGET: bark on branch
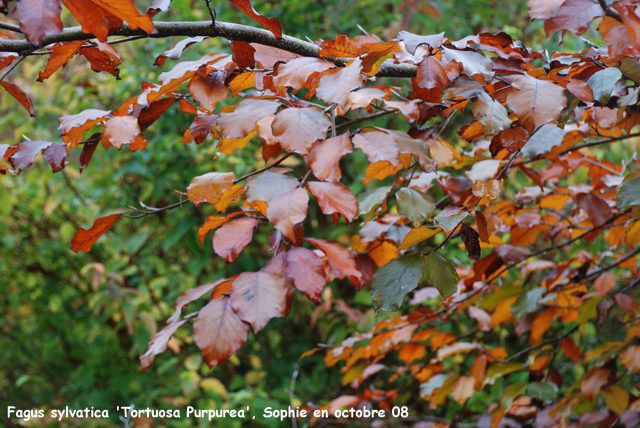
{"x":225,"y":30}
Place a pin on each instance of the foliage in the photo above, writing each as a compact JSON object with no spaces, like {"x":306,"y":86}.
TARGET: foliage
{"x":531,"y":317}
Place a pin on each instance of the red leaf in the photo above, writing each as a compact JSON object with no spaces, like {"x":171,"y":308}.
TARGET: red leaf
{"x":340,"y":259}
{"x":595,"y":207}
{"x":191,"y":295}
{"x":431,"y":74}
{"x":324,"y":157}
{"x":571,"y":349}
{"x":38,"y":18}
{"x":574,"y":15}
{"x":152,"y":112}
{"x":232,"y":237}
{"x":536,"y":102}
{"x":627,"y":304}
{"x":259,"y":296}
{"x":55,"y":154}
{"x":208,"y":90}
{"x":334,"y":86}
{"x":471,"y":240}
{"x":26,"y":153}
{"x":103,"y":58}
{"x":296,"y":129}
{"x":201,"y":128}
{"x":287,"y":209}
{"x":270,"y":24}
{"x":305,"y":268}
{"x":84,"y":239}
{"x":335,"y":198}
{"x":87,"y":152}
{"x":242,"y":54}
{"x":219,"y":331}
{"x":20,"y":96}
{"x":158,"y":344}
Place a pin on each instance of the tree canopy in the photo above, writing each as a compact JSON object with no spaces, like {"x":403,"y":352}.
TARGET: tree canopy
{"x":462,"y":214}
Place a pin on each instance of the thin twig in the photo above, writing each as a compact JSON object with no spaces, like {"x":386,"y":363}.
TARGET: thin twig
{"x":332,"y":112}
{"x":276,"y":163}
{"x":608,"y":11}
{"x":540,"y":345}
{"x":212,"y":13}
{"x":445,"y":123}
{"x":364,"y":118}
{"x":504,"y":170}
{"x":152,"y":210}
{"x":10,"y":27}
{"x":292,"y":386}
{"x":13,"y":65}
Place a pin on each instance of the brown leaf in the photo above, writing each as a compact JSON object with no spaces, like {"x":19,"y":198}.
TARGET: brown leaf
{"x":268,"y":56}
{"x":305,"y":268}
{"x":176,"y":52}
{"x":219,"y":331}
{"x":594,"y":381}
{"x":536,"y":102}
{"x":38,"y":18}
{"x":510,"y":139}
{"x":84,"y":239}
{"x":431,"y":74}
{"x":471,"y":240}
{"x":55,"y":154}
{"x":120,"y":130}
{"x":259,"y":296}
{"x":270,"y":24}
{"x":287,"y":209}
{"x":232,"y":237}
{"x":483,"y":230}
{"x":158,"y":344}
{"x":627,"y":304}
{"x":296,"y":129}
{"x":242,"y":54}
{"x":94,"y":20}
{"x":87,"y":152}
{"x":209,"y":187}
{"x":340,"y":259}
{"x":72,"y":127}
{"x":341,"y":47}
{"x":26,"y":153}
{"x":596,"y":208}
{"x":242,"y":119}
{"x":103,"y":58}
{"x":152,"y":112}
{"x":201,"y":127}
{"x":335,"y":198}
{"x":574,"y":15}
{"x":324,"y":157}
{"x":605,"y":283}
{"x":570,"y":349}
{"x":208,"y":90}
{"x":630,"y":357}
{"x":20,"y":96}
{"x":334,"y":86}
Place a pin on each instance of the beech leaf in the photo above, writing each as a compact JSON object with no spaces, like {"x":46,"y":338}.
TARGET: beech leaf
{"x":536,"y":102}
{"x":393,"y":281}
{"x":270,"y":24}
{"x":287,"y":209}
{"x":335,"y":198}
{"x":603,"y":82}
{"x":268,"y":185}
{"x":415,"y":205}
{"x":441,"y":274}
{"x":341,"y":261}
{"x":209,"y":187}
{"x":84,"y":239}
{"x":545,"y":138}
{"x":259,"y":296}
{"x":305,"y":268}
{"x":369,"y":199}
{"x":296,"y":129}
{"x":38,"y":18}
{"x":324,"y":157}
{"x":232,"y":237}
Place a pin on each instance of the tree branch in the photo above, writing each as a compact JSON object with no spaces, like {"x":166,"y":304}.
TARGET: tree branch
{"x":225,"y":30}
{"x":10,"y":27}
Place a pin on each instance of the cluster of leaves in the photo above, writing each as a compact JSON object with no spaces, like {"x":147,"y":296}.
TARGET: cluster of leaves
{"x":479,"y":323}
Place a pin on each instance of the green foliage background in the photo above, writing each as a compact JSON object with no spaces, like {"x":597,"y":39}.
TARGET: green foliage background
{"x":65,"y":343}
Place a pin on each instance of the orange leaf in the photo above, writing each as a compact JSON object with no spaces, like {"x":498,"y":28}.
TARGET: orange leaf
{"x":84,"y":239}
{"x":209,"y":187}
{"x":324,"y":157}
{"x":463,"y":389}
{"x":411,"y":352}
{"x":571,"y":349}
{"x":383,"y":252}
{"x":335,"y":198}
{"x":341,"y":47}
{"x":630,"y":357}
{"x":270,"y":24}
{"x":418,"y":235}
{"x":287,"y":209}
{"x":20,"y":96}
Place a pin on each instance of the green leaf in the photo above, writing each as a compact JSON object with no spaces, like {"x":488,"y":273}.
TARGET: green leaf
{"x":629,"y":194}
{"x":450,"y":223}
{"x":499,"y":370}
{"x":441,"y":274}
{"x":437,"y":381}
{"x":589,"y":310}
{"x":512,"y":392}
{"x":603,"y":82}
{"x":527,"y":302}
{"x":394,"y":280}
{"x":369,"y":199}
{"x":491,"y":301}
{"x":545,"y":391}
{"x":545,"y":138}
{"x":415,"y":205}
{"x":630,"y":68}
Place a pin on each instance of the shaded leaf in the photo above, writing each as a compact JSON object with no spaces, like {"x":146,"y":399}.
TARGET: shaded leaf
{"x":603,"y":83}
{"x":287,"y":209}
{"x":38,"y":18}
{"x":394,"y":280}
{"x":341,"y":261}
{"x":84,"y":239}
{"x":471,"y":240}
{"x":259,"y":296}
{"x":158,"y":344}
{"x":431,"y":74}
{"x":219,"y":331}
{"x":55,"y":154}
{"x":369,"y":199}
{"x":305,"y":268}
{"x":594,"y":381}
{"x":545,"y":138}
{"x":629,"y":194}
{"x":232,"y":237}
{"x":630,"y":357}
{"x":193,"y":294}
{"x":415,"y":205}
{"x":527,"y":302}
{"x":441,"y":274}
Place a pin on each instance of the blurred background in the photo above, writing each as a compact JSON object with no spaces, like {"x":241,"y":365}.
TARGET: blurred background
{"x":72,"y":326}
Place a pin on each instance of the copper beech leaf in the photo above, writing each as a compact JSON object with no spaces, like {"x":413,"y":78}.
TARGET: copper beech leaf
{"x":268,"y":185}
{"x":209,"y":187}
{"x":26,"y":153}
{"x":259,"y":296}
{"x":84,"y":239}
{"x":341,"y":47}
{"x":629,"y":193}
{"x":296,"y":129}
{"x":471,"y":240}
{"x":378,"y":146}
{"x":341,"y":261}
{"x":158,"y":344}
{"x":573,"y":15}
{"x":238,"y":122}
{"x":38,"y":18}
{"x":287,"y":209}
{"x":20,"y":96}
{"x":324,"y":157}
{"x":630,"y":358}
{"x":393,"y":281}
{"x":369,"y":199}
{"x":441,"y":274}
{"x":294,"y":74}
{"x":603,"y":82}
{"x":219,"y":331}
{"x":230,"y":239}
{"x":55,"y":154}
{"x":176,"y":52}
{"x":431,"y":74}
{"x":120,"y":130}
{"x":208,"y":90}
{"x":536,"y":102}
{"x":305,"y":269}
{"x":417,"y":235}
{"x":335,"y":198}
{"x":335,"y":86}
{"x":270,"y":24}
{"x":415,"y":205}
{"x":493,"y":116}
{"x":544,"y":139}
{"x":158,"y":6}
{"x":191,"y":295}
